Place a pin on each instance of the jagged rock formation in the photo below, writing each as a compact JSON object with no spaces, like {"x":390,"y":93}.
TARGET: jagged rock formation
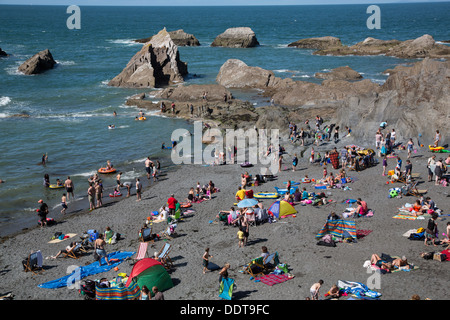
{"x":157,"y":64}
{"x":38,"y":63}
{"x":320,"y":43}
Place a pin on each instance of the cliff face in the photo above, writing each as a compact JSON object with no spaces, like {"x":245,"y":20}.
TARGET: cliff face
{"x":414,"y":100}
{"x":156,"y":64}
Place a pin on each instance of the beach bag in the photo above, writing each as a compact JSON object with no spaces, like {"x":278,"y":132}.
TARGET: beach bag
{"x":439,"y":256}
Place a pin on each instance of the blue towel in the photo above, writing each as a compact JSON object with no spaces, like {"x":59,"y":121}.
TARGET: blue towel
{"x":85,"y":271}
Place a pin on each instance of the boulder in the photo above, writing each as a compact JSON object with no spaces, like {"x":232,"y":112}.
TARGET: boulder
{"x":242,"y":37}
{"x":340,"y":73}
{"x":38,"y":63}
{"x":157,"y":64}
{"x":317,"y":43}
{"x":3,"y":53}
{"x":179,"y":37}
{"x":235,"y":73}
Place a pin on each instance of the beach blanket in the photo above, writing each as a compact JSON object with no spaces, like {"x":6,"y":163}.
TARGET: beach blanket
{"x":338,"y":228}
{"x":65,"y":236}
{"x":404,"y":216}
{"x":226,"y":288}
{"x":118,"y":292}
{"x":272,"y":279}
{"x":79,"y":273}
{"x":447,"y":253}
{"x":358,"y":289}
{"x":362,"y":233}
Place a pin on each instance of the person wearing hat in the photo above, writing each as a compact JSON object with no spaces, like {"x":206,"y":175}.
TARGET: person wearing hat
{"x":42,"y":212}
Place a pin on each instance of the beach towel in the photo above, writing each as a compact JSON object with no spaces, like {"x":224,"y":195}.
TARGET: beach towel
{"x":402,"y":216}
{"x":334,"y":158}
{"x":272,"y":279}
{"x":121,"y":292}
{"x":447,"y":253}
{"x":338,"y":228}
{"x":66,"y":236}
{"x":79,"y":273}
{"x":226,"y":288}
{"x":362,"y":233}
{"x":358,"y":289}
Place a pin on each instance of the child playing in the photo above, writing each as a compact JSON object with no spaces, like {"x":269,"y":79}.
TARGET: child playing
{"x":240,"y":235}
{"x":314,"y":291}
{"x":63,"y":203}
{"x":206,"y":257}
{"x":325,"y":172}
{"x":294,"y":162}
{"x":384,"y":165}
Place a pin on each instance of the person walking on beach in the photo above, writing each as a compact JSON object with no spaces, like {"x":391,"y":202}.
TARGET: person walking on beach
{"x":138,"y":189}
{"x":91,"y":196}
{"x":155,"y":173}
{"x":42,"y":212}
{"x":410,"y":147}
{"x":148,"y":164}
{"x":69,"y":188}
{"x":314,"y":290}
{"x":437,"y":139}
{"x":206,"y":257}
{"x":431,"y":165}
{"x":99,"y":247}
{"x":63,"y":204}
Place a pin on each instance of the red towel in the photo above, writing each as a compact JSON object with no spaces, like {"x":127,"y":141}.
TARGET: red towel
{"x":271,"y":279}
{"x":447,"y":253}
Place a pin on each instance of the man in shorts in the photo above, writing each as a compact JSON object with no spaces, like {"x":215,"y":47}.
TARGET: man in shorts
{"x":172,"y":204}
{"x":69,"y":188}
{"x":148,"y":164}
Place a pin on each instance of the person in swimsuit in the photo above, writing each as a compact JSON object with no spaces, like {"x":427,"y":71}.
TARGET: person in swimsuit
{"x":63,"y":204}
{"x":69,"y":188}
{"x":99,"y":247}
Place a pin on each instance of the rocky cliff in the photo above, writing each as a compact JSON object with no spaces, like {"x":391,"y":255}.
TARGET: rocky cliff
{"x":157,"y":64}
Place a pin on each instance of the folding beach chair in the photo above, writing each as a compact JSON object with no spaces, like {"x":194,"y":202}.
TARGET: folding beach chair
{"x":169,"y":232}
{"x":416,"y":192}
{"x":163,"y":255}
{"x":33,"y":263}
{"x":142,"y":252}
{"x":255,"y":267}
{"x":251,"y":219}
{"x":74,"y":253}
{"x":146,"y":235}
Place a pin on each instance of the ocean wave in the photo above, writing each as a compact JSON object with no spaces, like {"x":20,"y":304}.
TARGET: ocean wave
{"x":4,"y":115}
{"x":127,"y":42}
{"x":14,"y":70}
{"x":4,"y":101}
{"x":66,"y":63}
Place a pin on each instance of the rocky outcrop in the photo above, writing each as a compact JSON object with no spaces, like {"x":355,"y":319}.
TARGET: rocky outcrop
{"x":317,"y":43}
{"x":242,"y":37}
{"x":179,"y":37}
{"x":340,"y":73}
{"x":191,"y":93}
{"x":422,"y":47}
{"x":3,"y":53}
{"x":157,"y":64}
{"x":38,"y":63}
{"x":413,"y":100}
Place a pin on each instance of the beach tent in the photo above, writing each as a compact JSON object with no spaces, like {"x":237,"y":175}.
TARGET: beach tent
{"x":118,"y":292}
{"x":281,"y":209}
{"x":150,"y":272}
{"x":339,"y":228}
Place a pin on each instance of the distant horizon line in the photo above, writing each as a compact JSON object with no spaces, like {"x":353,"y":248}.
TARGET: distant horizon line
{"x":230,"y":5}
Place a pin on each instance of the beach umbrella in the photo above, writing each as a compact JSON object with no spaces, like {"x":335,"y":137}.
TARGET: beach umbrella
{"x":247,"y":203}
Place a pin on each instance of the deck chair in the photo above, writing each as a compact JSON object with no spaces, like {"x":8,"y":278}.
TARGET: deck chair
{"x":75,"y":253}
{"x":251,"y":219}
{"x":142,"y":252}
{"x":33,"y":263}
{"x":146,"y":235}
{"x":416,"y":192}
{"x":169,"y":232}
{"x":163,"y":255}
{"x":255,"y":267}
